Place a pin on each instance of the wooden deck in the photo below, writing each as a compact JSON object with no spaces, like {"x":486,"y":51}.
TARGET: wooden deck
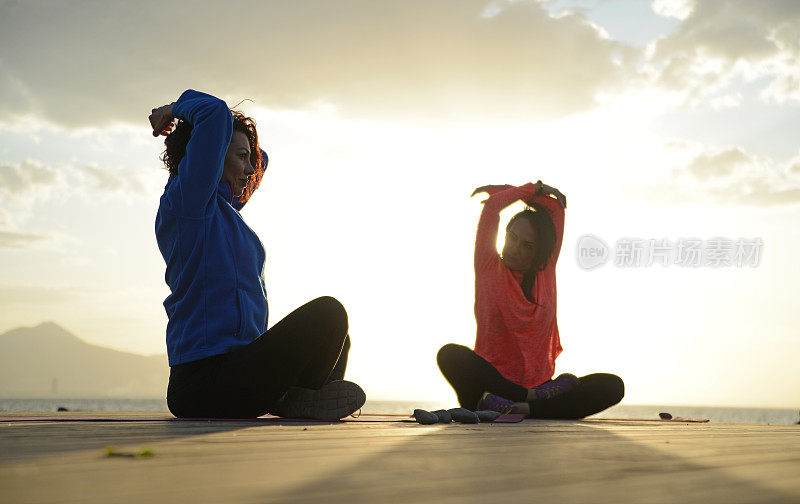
{"x":565,"y":462}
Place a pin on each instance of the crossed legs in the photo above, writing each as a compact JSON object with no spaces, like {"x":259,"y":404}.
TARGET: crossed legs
{"x":471,"y":375}
{"x":305,"y":349}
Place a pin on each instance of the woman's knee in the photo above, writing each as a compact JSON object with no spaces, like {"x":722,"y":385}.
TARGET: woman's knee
{"x":449,"y":354}
{"x":332,"y":310}
{"x":329,"y":303}
{"x":609,"y":385}
{"x":617,"y":388}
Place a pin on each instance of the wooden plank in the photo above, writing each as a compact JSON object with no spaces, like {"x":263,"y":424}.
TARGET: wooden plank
{"x":534,"y":461}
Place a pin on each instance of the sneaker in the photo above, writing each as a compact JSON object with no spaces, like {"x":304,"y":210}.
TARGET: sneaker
{"x":334,"y":401}
{"x":491,"y":402}
{"x":562,"y":384}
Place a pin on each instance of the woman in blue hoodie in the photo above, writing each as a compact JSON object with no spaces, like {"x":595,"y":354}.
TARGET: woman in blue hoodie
{"x":224,"y":363}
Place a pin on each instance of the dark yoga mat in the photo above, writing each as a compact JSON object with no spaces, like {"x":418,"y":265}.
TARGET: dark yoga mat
{"x":268,"y":419}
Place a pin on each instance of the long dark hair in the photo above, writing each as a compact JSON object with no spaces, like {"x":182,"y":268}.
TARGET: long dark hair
{"x":545,"y":243}
{"x":177,"y":140}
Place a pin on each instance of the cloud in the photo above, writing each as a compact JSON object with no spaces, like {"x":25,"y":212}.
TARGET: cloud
{"x":732,"y":100}
{"x":86,"y":63}
{"x":27,"y":188}
{"x":13,"y":240}
{"x":114,"y":180}
{"x":718,"y":165}
{"x":722,"y":40}
{"x":15,"y":98}
{"x":26,"y":177}
{"x":33,"y":180}
{"x":733,"y":176}
{"x":679,"y":9}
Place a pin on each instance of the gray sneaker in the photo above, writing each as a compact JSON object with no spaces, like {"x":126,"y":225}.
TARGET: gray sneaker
{"x":334,"y":401}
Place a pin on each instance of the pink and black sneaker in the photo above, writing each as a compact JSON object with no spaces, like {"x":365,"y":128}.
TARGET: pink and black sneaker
{"x":491,"y":402}
{"x":562,"y":384}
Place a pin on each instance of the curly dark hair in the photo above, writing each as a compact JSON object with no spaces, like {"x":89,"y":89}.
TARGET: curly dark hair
{"x":537,"y":216}
{"x":177,"y":140}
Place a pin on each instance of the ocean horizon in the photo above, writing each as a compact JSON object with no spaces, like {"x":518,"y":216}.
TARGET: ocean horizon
{"x":767,"y":416}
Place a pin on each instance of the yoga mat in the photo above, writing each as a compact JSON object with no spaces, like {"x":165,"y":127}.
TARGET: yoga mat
{"x":511,"y":418}
{"x":270,"y":419}
{"x":657,"y":420}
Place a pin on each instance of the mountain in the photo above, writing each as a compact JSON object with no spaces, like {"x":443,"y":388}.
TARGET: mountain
{"x":49,"y":361}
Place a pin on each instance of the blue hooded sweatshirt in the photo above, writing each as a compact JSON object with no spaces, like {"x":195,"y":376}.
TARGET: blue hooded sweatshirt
{"x":215,"y":262}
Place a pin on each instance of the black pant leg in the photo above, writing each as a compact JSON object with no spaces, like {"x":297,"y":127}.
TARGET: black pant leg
{"x":471,"y":375}
{"x":300,"y":350}
{"x":341,"y":364}
{"x":595,"y":393}
{"x":196,"y":390}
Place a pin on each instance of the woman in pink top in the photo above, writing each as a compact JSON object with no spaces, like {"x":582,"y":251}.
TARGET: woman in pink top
{"x":517,"y":340}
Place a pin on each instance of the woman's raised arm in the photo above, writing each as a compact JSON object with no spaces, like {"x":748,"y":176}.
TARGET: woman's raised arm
{"x":200,"y":169}
{"x":501,"y":196}
{"x":555,"y":209}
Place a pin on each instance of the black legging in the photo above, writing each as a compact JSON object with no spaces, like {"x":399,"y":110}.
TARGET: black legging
{"x":471,"y":375}
{"x":306,"y":349}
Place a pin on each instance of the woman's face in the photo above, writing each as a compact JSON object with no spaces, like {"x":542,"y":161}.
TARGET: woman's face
{"x":238,"y":169}
{"x":520,"y":246}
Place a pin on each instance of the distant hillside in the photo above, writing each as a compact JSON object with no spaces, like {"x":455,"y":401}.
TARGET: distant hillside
{"x":49,"y":361}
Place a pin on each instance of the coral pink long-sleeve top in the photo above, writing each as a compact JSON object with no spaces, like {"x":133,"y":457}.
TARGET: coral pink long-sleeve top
{"x":516,"y":336}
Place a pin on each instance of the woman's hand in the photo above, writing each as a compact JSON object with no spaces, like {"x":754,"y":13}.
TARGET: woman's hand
{"x":161,"y":120}
{"x":543,"y":189}
{"x":487,"y":188}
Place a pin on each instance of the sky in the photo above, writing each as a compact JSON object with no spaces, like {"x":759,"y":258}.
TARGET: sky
{"x":670,"y":119}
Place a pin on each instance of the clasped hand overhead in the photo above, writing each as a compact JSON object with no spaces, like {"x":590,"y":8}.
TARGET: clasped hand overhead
{"x":541,"y":189}
{"x":161,"y":120}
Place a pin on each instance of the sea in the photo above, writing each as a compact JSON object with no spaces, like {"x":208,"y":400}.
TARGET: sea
{"x":766,"y":416}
